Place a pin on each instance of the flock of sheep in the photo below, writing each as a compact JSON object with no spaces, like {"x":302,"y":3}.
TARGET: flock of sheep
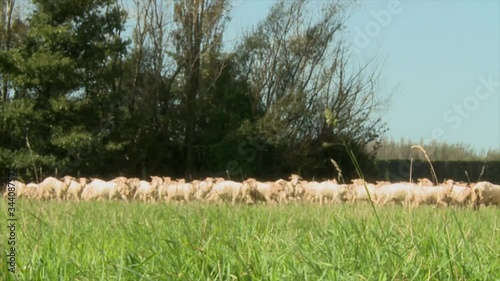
{"x":250,"y":191}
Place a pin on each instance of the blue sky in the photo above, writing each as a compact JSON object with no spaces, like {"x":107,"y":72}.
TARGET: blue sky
{"x":441,"y":64}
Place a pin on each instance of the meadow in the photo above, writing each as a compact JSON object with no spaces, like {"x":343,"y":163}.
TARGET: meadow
{"x":144,"y":241}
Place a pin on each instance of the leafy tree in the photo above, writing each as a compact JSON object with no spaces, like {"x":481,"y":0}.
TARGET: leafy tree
{"x":12,"y":31}
{"x":198,"y":34}
{"x":66,"y":80}
{"x":297,"y":65}
{"x":222,"y":149}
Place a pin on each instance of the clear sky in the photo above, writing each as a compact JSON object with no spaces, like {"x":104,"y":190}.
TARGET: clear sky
{"x":442,"y":64}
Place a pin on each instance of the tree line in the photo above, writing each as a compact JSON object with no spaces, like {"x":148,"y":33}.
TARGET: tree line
{"x":391,"y":149}
{"x":140,"y":88}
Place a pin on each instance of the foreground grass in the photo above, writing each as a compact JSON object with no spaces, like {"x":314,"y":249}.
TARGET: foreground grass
{"x":119,"y":241}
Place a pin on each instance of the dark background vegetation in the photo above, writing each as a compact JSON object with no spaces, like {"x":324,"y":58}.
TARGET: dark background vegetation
{"x":96,"y":88}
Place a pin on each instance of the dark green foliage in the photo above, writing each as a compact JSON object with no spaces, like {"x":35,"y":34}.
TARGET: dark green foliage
{"x":83,"y":101}
{"x":64,"y":86}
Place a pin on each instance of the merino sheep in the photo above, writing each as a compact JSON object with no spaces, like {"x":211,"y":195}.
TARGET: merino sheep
{"x":358,"y":193}
{"x":425,"y":182}
{"x":162,"y":188}
{"x":265,"y":191}
{"x":180,"y":191}
{"x":145,"y":191}
{"x":52,"y":187}
{"x":485,"y":193}
{"x":460,"y":195}
{"x":20,"y":189}
{"x":395,"y":193}
{"x":203,"y":188}
{"x":230,"y":190}
{"x":293,"y":189}
{"x":115,"y":189}
{"x":330,"y":191}
{"x":75,"y":188}
{"x":438,"y":195}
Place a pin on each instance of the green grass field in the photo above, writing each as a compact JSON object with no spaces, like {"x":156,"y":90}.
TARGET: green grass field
{"x":137,"y":241}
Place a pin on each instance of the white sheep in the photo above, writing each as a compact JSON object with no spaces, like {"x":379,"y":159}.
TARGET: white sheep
{"x":229,"y":190}
{"x":485,"y":193}
{"x":75,"y":187}
{"x":52,"y":187}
